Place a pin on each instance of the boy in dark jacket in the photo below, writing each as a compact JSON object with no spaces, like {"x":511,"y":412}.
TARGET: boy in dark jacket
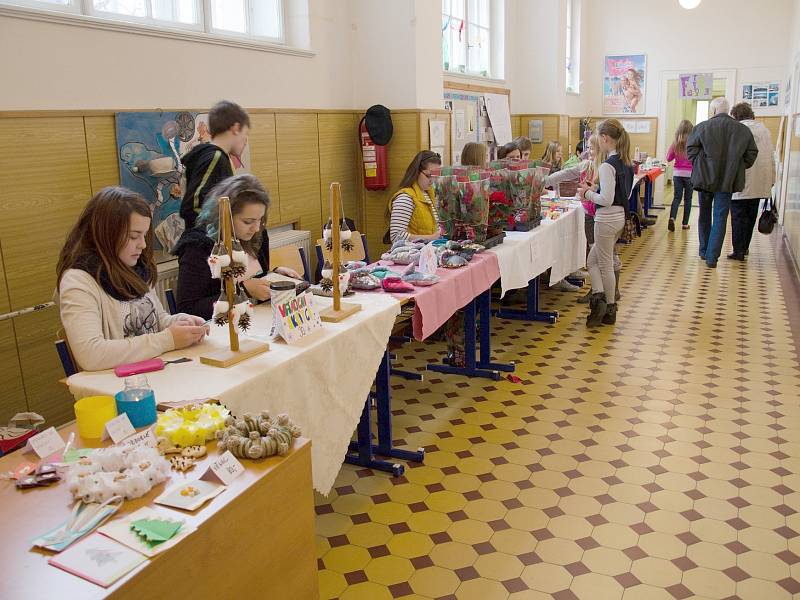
{"x":208,"y":164}
{"x":721,"y":149}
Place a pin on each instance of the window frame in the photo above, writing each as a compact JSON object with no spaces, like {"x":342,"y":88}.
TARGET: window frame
{"x":81,"y":13}
{"x":572,"y":48}
{"x":491,"y":29}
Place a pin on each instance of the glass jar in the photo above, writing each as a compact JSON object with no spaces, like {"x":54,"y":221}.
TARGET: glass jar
{"x":138,"y":401}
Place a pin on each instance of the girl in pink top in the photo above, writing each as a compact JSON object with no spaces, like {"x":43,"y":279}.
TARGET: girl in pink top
{"x":681,"y":175}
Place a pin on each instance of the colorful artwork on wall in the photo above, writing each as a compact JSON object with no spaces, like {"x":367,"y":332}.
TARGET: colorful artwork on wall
{"x":624,"y":84}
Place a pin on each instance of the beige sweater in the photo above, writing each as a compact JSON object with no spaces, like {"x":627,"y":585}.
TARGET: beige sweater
{"x":104,"y":332}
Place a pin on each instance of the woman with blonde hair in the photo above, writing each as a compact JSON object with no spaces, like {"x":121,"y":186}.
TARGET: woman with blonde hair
{"x":554,"y":156}
{"x":615,"y":177}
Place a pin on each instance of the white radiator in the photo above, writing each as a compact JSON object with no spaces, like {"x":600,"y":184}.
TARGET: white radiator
{"x":167,"y":280}
{"x":291,"y":237}
{"x":279,"y":237}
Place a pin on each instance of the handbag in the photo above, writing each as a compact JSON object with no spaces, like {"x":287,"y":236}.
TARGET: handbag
{"x":768,"y":218}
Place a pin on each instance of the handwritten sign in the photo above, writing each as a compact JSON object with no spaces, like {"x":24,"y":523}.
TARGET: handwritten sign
{"x":296,"y":318}
{"x":45,"y":444}
{"x":118,"y":428}
{"x":226,"y":468}
{"x":143,"y":438}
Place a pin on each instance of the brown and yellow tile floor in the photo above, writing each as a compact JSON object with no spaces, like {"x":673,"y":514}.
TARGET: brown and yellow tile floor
{"x":656,"y":459}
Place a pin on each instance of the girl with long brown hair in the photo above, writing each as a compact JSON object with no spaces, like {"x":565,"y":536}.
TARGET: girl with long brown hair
{"x":611,"y":201}
{"x":106,"y":273}
{"x":412,"y":209}
{"x":681,"y":175}
{"x":197,"y":290}
{"x":554,"y":156}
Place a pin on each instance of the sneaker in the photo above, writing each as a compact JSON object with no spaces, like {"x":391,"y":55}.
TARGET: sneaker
{"x":585,"y":299}
{"x":580,"y":274}
{"x":565,"y":286}
{"x":611,"y":314}
{"x":684,"y":227}
{"x":671,"y":225}
{"x":598,"y":309}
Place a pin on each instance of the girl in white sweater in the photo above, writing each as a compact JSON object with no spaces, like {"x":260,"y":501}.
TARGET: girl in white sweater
{"x":106,"y":274}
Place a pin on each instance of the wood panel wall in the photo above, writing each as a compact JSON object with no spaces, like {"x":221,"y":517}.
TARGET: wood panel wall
{"x":552,"y":130}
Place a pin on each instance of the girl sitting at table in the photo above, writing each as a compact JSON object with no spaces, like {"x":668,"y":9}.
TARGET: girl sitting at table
{"x":110,"y":313}
{"x":249,"y":201}
{"x":412,"y":209}
{"x":525,"y":147}
{"x":554,"y":156}
{"x":509,"y":151}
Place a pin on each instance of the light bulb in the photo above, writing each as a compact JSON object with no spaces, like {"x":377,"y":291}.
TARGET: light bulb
{"x":689,"y":4}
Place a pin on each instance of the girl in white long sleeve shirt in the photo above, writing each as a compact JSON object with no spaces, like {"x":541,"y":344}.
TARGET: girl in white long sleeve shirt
{"x":616,"y":180}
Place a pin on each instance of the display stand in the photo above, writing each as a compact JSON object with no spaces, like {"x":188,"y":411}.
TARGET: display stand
{"x":340,"y":310}
{"x":239,"y":350}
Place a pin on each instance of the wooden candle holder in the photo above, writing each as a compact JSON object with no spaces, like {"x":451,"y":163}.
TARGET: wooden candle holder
{"x":340,"y":310}
{"x":239,"y":350}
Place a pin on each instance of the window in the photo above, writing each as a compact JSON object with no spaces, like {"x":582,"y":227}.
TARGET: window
{"x":573,"y":47}
{"x":261,"y":19}
{"x":467,"y":36}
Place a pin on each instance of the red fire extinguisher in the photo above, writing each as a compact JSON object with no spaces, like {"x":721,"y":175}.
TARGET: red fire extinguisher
{"x":375,"y":131}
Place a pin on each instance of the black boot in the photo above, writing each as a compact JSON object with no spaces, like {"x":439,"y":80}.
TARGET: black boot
{"x":611,"y":314}
{"x":617,"y":294}
{"x":598,"y":307}
{"x":585,"y":299}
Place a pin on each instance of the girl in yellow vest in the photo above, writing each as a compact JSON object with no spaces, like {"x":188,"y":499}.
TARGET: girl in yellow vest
{"x":412,"y":209}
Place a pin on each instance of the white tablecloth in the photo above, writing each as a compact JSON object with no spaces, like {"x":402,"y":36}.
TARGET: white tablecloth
{"x":321,"y":383}
{"x":559,"y":245}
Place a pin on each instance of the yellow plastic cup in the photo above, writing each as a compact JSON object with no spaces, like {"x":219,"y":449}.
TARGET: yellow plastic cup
{"x":92,"y":413}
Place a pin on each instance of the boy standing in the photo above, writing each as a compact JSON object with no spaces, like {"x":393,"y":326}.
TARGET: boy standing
{"x":209,"y":163}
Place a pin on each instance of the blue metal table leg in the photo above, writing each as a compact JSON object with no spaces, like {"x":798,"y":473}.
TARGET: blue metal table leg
{"x":531,"y":312}
{"x":363,"y":446}
{"x":485,"y":313}
{"x":470,"y":368}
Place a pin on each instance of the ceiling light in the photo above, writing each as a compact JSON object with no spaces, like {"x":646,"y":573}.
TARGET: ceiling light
{"x":689,"y":4}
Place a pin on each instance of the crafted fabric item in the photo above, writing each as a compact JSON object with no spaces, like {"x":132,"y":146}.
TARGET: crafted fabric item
{"x":396,"y":285}
{"x":419,"y":278}
{"x":452,"y":260}
{"x":20,"y":428}
{"x":379,"y":124}
{"x":116,"y":471}
{"x":362,"y":280}
{"x":258,"y":436}
{"x":191,"y":426}
{"x":353,"y":265}
{"x":381,"y":272}
{"x":84,"y":519}
{"x":345,"y":235}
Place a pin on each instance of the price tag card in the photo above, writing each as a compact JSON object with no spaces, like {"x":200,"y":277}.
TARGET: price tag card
{"x":45,"y":444}
{"x":118,"y":428}
{"x":225,"y":469}
{"x":146,"y":437}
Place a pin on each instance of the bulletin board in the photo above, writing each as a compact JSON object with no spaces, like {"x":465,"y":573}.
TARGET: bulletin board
{"x":469,"y":121}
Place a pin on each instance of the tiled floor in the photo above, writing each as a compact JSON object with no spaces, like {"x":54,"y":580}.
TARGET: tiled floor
{"x":656,"y":459}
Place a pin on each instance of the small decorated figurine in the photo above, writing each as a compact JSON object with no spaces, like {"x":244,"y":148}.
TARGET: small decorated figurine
{"x":257,"y":437}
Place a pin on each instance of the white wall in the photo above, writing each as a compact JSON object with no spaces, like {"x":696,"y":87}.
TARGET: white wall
{"x":752,"y":37}
{"x":535,"y":58}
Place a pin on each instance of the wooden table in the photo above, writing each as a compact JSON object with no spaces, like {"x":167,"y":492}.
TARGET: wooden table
{"x":256,"y":539}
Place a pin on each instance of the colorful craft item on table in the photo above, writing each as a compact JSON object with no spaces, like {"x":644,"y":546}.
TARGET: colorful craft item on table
{"x":129,"y":471}
{"x":395,"y":285}
{"x":451,"y":260}
{"x":19,"y":429}
{"x":362,"y":280}
{"x":345,"y":235}
{"x":85,"y":518}
{"x":44,"y":475}
{"x":258,"y":436}
{"x":354,"y":265}
{"x":155,"y":531}
{"x":419,"y":278}
{"x":194,"y":425}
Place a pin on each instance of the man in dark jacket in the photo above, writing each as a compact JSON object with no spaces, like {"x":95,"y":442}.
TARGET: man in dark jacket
{"x":721,"y":149}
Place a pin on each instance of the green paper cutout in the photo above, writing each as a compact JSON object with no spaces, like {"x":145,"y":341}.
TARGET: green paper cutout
{"x":155,"y":531}
{"x":75,"y":454}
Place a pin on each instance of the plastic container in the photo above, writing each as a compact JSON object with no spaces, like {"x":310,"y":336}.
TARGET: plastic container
{"x":92,"y":413}
{"x":282,"y":291}
{"x":138,"y":401}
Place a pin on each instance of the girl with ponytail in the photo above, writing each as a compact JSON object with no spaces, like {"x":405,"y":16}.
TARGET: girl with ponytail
{"x":611,"y":208}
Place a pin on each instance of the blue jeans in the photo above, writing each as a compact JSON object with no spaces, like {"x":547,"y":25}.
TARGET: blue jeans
{"x":712,"y":224}
{"x":683,"y":187}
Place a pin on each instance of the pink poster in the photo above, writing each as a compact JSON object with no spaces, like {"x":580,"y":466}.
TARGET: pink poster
{"x":624,"y":84}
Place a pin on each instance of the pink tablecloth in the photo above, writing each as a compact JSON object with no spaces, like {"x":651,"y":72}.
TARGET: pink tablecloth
{"x":456,"y":288}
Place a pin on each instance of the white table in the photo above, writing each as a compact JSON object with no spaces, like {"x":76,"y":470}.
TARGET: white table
{"x":558,"y":245}
{"x":321,"y":382}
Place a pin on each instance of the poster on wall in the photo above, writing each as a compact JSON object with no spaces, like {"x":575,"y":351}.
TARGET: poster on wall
{"x":624,"y":82}
{"x":696,"y":86}
{"x":762,"y":95}
{"x":150,"y":146}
